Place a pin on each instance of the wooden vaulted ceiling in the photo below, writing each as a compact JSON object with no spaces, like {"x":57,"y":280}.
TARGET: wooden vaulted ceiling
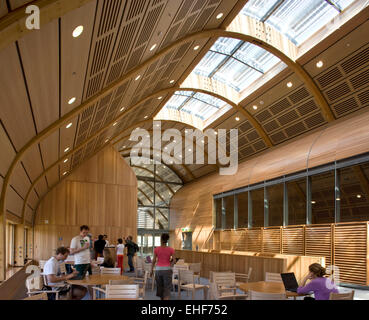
{"x":42,"y":70}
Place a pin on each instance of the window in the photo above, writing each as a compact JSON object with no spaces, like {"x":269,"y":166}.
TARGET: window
{"x":257,"y":197}
{"x":218,"y":213}
{"x":296,"y":197}
{"x":243,"y":209}
{"x":229,"y":209}
{"x":275,"y":204}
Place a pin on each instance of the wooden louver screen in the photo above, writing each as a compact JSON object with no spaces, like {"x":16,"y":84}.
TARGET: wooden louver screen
{"x":293,"y":240}
{"x":272,"y":240}
{"x":318,"y":242}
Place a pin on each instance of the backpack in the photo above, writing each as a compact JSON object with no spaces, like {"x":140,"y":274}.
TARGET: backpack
{"x":136,"y":247}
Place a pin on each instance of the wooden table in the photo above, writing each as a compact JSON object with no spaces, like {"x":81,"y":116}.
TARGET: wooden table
{"x":268,"y":287}
{"x":98,"y":279}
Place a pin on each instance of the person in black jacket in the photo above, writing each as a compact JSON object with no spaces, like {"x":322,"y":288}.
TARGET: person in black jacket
{"x":99,"y":246}
{"x":132,"y":248}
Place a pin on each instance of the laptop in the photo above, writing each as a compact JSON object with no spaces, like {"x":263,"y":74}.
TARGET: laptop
{"x":289,"y":281}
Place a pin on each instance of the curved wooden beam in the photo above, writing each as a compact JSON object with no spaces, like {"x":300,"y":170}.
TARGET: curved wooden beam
{"x":309,"y":83}
{"x":148,"y":198}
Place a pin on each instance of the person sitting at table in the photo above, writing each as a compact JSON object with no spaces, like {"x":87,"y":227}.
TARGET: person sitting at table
{"x":108,"y":259}
{"x":99,"y":246}
{"x":320,"y":285}
{"x":54,"y":277}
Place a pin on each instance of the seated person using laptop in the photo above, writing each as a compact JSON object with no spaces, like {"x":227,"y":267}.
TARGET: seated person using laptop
{"x":320,"y":285}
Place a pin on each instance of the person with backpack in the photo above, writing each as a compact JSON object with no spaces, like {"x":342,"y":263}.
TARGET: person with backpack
{"x":132,"y":248}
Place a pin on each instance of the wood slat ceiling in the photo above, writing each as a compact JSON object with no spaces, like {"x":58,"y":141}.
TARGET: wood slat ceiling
{"x":43,"y":70}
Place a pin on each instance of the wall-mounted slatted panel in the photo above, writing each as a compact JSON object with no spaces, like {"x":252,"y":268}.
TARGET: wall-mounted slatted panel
{"x":272,"y":240}
{"x":15,"y":112}
{"x":108,"y":18}
{"x":293,"y":240}
{"x":318,"y":242}
{"x":253,"y":240}
{"x":226,"y":240}
{"x":40,"y":57}
{"x":350,"y":252}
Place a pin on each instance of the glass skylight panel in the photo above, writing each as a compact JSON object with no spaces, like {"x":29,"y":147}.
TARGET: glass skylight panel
{"x":256,"y":57}
{"x":258,"y":8}
{"x":342,"y":4}
{"x":209,"y":63}
{"x":185,"y":93}
{"x":199,"y":108}
{"x":175,"y":101}
{"x":237,"y":75}
{"x":210,"y":100}
{"x":301,"y":19}
{"x":225,"y":45}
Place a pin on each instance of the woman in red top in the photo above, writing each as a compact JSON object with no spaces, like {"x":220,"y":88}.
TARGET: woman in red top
{"x":164,"y":256}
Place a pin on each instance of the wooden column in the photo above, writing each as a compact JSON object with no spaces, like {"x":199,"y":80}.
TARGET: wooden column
{"x":19,"y":245}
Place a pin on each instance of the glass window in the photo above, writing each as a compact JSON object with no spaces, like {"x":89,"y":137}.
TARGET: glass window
{"x":218,"y":213}
{"x":229,"y":205}
{"x":163,"y":194}
{"x":145,"y":218}
{"x":354,"y":189}
{"x":275,"y":202}
{"x":161,"y":219}
{"x":296,"y":194}
{"x":323,"y":198}
{"x":257,"y":197}
{"x":243,"y":209}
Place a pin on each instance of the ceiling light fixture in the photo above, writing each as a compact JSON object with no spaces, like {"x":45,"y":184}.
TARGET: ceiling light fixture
{"x":153,"y":47}
{"x":69,"y":125}
{"x":319,"y":64}
{"x":313,"y":202}
{"x":65,"y":173}
{"x":237,"y":119}
{"x":358,"y":196}
{"x":77,"y":31}
{"x":138,"y":77}
{"x":219,"y":16}
{"x":66,"y":160}
{"x":71,"y":101}
{"x":289,"y":84}
{"x":122,"y":109}
{"x":171,"y":81}
{"x":255,"y":107}
{"x":160,"y":98}
{"x":196,"y":48}
{"x":115,"y":123}
{"x":66,"y":149}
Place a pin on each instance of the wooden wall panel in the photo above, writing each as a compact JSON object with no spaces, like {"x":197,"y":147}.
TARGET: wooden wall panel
{"x":102,"y":193}
{"x":7,"y":152}
{"x":3,"y":9}
{"x":14,"y":202}
{"x":350,"y":252}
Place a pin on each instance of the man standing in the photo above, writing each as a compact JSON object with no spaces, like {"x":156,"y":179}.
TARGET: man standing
{"x":132,"y":248}
{"x":106,"y":241}
{"x":80,"y":248}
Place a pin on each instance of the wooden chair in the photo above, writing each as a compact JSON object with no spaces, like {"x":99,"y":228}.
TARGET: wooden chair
{"x":243,"y":277}
{"x":109,"y":270}
{"x":125,"y":291}
{"x":187,"y":282}
{"x":139,"y":264}
{"x":342,"y":296}
{"x":196,"y":268}
{"x":254,"y":295}
{"x":34,"y":286}
{"x":224,"y":287}
{"x":147,"y":267}
{"x":57,"y":287}
{"x":39,"y":296}
{"x":175,"y":275}
{"x":273,"y":277}
{"x":180,"y":261}
{"x":132,"y":280}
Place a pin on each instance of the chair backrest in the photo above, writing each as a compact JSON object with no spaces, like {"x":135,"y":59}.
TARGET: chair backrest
{"x":125,"y":291}
{"x":342,"y":296}
{"x":63,"y":268}
{"x":126,"y":281}
{"x":41,"y":264}
{"x":180,"y":261}
{"x":40,"y":296}
{"x":244,"y":277}
{"x":224,"y":278}
{"x":273,"y":277}
{"x":147,"y":267}
{"x":254,"y":295}
{"x":110,"y":270}
{"x":178,"y":267}
{"x":195,"y":267}
{"x":186,"y":276}
{"x":100,"y":260}
{"x":34,"y":284}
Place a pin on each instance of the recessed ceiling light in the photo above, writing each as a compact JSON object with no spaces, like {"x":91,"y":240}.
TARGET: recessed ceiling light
{"x":69,"y":125}
{"x":138,"y":77}
{"x":237,"y":119}
{"x":66,"y":160}
{"x":66,"y":149}
{"x":71,"y":101}
{"x":319,"y":64}
{"x":255,"y":107}
{"x":196,"y":48}
{"x":65,"y":173}
{"x":106,"y":140}
{"x":313,"y":202}
{"x":289,"y":84}
{"x":145,"y":117}
{"x":115,"y":123}
{"x":153,"y":47}
{"x":122,"y":109}
{"x":358,"y":196}
{"x":171,"y":81}
{"x":77,"y":31}
{"x":160,"y":98}
{"x":219,"y":16}
{"x":338,"y":199}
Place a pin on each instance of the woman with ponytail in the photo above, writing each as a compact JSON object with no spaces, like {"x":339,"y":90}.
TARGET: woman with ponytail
{"x":320,"y":285}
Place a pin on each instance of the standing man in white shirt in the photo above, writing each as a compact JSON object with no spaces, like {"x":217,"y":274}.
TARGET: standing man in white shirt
{"x":80,"y":248}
